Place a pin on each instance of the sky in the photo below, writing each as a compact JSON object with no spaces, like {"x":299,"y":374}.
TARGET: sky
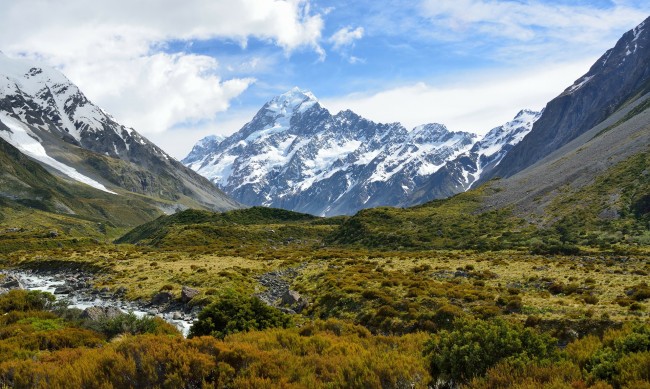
{"x":177,"y":71}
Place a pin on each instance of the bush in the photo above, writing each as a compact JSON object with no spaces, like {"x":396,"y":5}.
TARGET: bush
{"x":131,"y":324}
{"x":474,"y":346}
{"x":22,"y":300}
{"x":611,"y":362}
{"x":235,"y":313}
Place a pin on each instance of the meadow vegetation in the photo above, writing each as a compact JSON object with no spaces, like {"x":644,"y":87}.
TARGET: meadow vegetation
{"x":439,"y":295}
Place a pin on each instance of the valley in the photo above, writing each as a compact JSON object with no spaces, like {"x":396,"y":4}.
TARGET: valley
{"x":312,"y":249}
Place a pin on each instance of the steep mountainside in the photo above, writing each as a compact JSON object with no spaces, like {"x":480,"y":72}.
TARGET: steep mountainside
{"x":621,"y":75}
{"x":295,"y":155}
{"x":27,"y":188}
{"x":49,"y":119}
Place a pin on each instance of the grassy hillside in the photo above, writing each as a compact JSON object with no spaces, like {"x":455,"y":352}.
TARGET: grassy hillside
{"x":255,"y":227}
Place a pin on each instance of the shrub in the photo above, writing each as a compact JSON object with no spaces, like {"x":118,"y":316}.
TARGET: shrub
{"x":22,"y":300}
{"x":131,"y":324}
{"x":235,"y":313}
{"x":474,"y":346}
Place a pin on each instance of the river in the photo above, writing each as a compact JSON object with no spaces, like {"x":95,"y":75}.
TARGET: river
{"x":82,"y":300}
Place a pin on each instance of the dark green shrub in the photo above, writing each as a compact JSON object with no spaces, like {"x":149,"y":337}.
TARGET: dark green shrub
{"x":235,"y":313}
{"x":474,"y":346}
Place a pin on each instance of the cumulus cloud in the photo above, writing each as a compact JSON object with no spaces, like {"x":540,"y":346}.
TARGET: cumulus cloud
{"x":477,"y":103}
{"x":345,"y":37}
{"x":116,"y":50}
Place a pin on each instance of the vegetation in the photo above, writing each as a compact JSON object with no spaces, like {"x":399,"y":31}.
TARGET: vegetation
{"x":474,"y":346}
{"x":444,"y":294}
{"x":233,"y":313}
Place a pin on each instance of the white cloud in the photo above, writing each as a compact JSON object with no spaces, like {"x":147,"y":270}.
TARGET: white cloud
{"x":530,"y":20}
{"x":115,"y":49}
{"x":346,"y":37}
{"x":155,"y":92}
{"x":472,"y":104}
{"x":179,"y":141}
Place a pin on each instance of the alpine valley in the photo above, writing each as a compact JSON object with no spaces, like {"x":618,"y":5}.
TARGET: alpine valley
{"x":519,"y":259}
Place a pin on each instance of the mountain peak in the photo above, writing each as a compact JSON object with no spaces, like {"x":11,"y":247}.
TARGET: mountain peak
{"x":294,"y":100}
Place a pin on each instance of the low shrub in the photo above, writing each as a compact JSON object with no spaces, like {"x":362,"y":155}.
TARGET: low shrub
{"x":235,"y":313}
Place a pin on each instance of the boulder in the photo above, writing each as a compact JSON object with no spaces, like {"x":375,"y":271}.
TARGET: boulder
{"x":162,"y":298}
{"x":11,"y":282}
{"x":290,"y":297}
{"x":100,"y":313}
{"x":188,"y":294}
{"x":294,"y":301}
{"x":63,"y":289}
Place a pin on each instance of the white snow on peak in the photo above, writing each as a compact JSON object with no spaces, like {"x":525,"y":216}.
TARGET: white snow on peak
{"x":210,"y":139}
{"x":490,"y":149}
{"x":295,"y":100}
{"x":50,"y":89}
{"x":638,"y":30}
{"x":24,"y":140}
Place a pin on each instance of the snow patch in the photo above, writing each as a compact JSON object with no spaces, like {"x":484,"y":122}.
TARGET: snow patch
{"x":24,"y":140}
{"x":579,"y":84}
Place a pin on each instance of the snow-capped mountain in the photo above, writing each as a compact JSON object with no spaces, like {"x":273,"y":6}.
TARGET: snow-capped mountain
{"x":49,"y":119}
{"x":295,"y":155}
{"x":203,"y":147}
{"x":463,"y":172}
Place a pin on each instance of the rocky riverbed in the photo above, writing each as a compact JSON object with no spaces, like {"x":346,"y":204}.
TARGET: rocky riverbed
{"x":76,"y":287}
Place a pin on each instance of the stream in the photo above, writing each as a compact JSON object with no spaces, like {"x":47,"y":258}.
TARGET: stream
{"x":60,"y":285}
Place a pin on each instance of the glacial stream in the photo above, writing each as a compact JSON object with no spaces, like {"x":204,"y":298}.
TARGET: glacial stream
{"x":81,"y":299}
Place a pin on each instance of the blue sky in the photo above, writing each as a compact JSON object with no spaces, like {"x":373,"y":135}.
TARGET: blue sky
{"x":177,"y":71}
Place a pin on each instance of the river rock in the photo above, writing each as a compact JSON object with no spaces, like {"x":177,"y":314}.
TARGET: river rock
{"x":101,"y":313}
{"x":63,"y":289}
{"x":188,"y":294}
{"x":162,"y":298}
{"x":10,"y":282}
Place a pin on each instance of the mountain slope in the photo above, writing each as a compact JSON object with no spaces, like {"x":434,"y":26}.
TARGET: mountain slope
{"x":295,"y":155}
{"x":618,"y":77}
{"x":463,"y":172}
{"x":49,"y":119}
{"x":53,"y":202}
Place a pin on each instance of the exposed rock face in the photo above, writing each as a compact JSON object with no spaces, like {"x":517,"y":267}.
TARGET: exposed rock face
{"x":620,"y":75}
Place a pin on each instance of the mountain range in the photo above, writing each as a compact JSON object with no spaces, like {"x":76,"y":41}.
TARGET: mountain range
{"x":63,"y":155}
{"x":294,"y":154}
